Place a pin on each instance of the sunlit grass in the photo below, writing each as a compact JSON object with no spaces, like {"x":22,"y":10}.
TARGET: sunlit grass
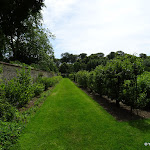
{"x":70,"y":120}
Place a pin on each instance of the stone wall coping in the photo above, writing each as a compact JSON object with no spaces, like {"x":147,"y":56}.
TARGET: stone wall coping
{"x":15,"y":65}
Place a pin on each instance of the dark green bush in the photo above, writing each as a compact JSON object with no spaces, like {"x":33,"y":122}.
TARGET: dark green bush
{"x":91,"y":81}
{"x":137,"y":96}
{"x":99,"y":80}
{"x":38,"y":88}
{"x":7,"y":111}
{"x":82,"y":78}
{"x":72,"y":77}
{"x":49,"y":82}
{"x":19,"y":90}
{"x":9,"y":132}
{"x":56,"y":79}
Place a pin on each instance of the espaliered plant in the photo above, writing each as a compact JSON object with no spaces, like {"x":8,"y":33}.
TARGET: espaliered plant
{"x":82,"y":78}
{"x":120,"y":80}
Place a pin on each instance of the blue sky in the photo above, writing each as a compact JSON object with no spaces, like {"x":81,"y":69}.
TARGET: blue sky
{"x":93,"y":26}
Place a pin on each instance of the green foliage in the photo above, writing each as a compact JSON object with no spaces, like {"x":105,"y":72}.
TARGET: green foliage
{"x":143,"y":84}
{"x":99,"y":80}
{"x":38,"y":88}
{"x":136,"y":98}
{"x":18,"y":63}
{"x":91,"y":80}
{"x":72,"y":76}
{"x":82,"y":78}
{"x":64,"y":68}
{"x":49,"y":82}
{"x":22,"y":37}
{"x":19,"y":90}
{"x":93,"y":63}
{"x":82,"y":124}
{"x":56,"y":79}
{"x":9,"y":132}
{"x":120,"y":80}
{"x":16,"y":93}
{"x":7,"y":111}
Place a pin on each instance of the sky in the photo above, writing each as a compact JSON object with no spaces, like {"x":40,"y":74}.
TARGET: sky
{"x":93,"y":26}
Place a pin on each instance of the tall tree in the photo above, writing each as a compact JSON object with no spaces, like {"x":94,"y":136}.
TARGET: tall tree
{"x":111,"y":55}
{"x":142,"y":55}
{"x":12,"y":16}
{"x":82,"y":55}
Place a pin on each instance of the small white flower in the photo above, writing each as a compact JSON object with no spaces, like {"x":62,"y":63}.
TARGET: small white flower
{"x":145,"y":144}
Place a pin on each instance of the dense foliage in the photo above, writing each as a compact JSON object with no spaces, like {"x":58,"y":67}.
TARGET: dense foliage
{"x":70,"y":63}
{"x":122,"y":79}
{"x":20,"y":90}
{"x":22,"y":36}
{"x":14,"y":94}
{"x":48,"y":82}
{"x":82,"y":78}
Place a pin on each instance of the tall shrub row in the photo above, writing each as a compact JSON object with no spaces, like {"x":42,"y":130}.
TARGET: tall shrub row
{"x":121,"y":79}
{"x":15,"y":94}
{"x":19,"y":91}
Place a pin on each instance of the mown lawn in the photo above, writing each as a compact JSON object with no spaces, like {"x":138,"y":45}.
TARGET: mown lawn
{"x":70,"y":120}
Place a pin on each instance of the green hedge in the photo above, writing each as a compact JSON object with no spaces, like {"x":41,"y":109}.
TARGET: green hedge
{"x":82,"y":78}
{"x":121,"y":79}
{"x":49,"y":82}
{"x":16,"y":93}
{"x":19,"y":91}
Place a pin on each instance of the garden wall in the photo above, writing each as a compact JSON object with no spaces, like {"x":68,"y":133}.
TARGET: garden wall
{"x":10,"y":71}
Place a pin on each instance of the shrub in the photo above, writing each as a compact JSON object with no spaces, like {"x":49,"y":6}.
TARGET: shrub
{"x":91,"y":80}
{"x":72,"y":77}
{"x":9,"y":132}
{"x":82,"y":78}
{"x":38,"y":88}
{"x":20,"y":90}
{"x":7,"y":111}
{"x":56,"y":79}
{"x":49,"y":82}
{"x":99,"y":85}
{"x":134,"y":97}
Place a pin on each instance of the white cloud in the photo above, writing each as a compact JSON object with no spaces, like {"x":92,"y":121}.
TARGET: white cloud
{"x":99,"y":25}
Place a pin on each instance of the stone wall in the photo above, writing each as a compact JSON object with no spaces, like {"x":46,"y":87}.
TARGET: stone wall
{"x":10,"y":71}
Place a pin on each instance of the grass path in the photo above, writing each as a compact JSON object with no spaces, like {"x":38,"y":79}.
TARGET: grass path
{"x":70,"y":120}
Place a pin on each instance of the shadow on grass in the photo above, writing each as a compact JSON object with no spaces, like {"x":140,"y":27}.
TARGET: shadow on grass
{"x":142,"y":125}
{"x":121,"y":113}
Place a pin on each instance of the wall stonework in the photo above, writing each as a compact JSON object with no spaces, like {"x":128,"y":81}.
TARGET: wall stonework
{"x":10,"y":71}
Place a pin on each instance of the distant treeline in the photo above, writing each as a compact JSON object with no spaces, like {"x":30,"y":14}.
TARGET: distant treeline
{"x":70,"y":63}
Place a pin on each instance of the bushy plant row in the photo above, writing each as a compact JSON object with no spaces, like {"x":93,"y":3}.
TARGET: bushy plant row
{"x":19,"y":91}
{"x":14,"y":94}
{"x":121,"y":79}
{"x":49,"y":82}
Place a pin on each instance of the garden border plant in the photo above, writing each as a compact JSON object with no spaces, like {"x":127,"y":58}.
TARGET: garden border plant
{"x":17,"y":93}
{"x":122,"y":79}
